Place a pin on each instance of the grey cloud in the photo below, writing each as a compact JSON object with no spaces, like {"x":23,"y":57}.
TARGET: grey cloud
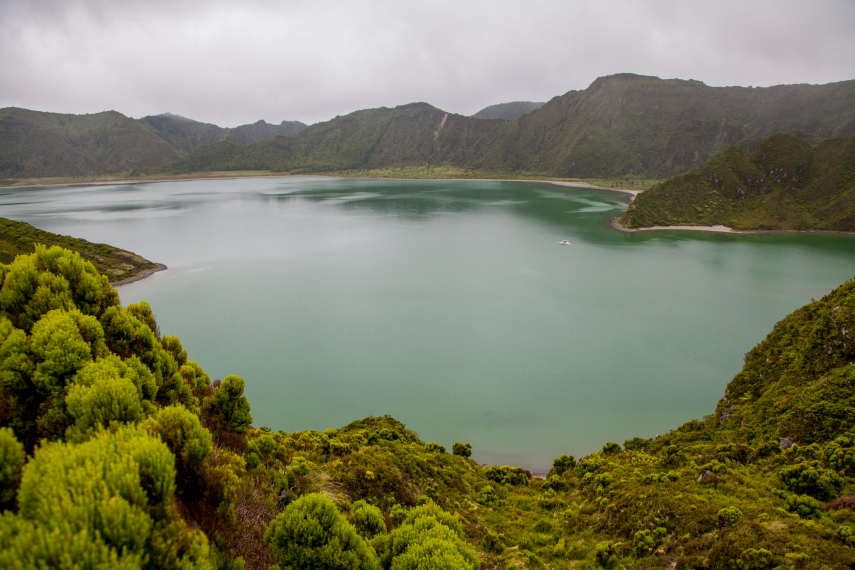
{"x":231,"y":63}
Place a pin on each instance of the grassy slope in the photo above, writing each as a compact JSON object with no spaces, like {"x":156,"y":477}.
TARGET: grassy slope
{"x":630,"y":124}
{"x":18,"y":238}
{"x":374,"y":138}
{"x":51,"y":144}
{"x":621,"y":125}
{"x":785,"y":184}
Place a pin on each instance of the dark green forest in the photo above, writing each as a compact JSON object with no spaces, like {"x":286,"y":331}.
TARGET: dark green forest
{"x":784,"y":184}
{"x":118,"y":451}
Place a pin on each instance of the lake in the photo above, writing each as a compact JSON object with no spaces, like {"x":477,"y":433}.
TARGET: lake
{"x":449,"y":305}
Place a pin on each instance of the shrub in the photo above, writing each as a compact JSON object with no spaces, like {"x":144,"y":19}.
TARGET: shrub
{"x":728,"y":516}
{"x":810,"y":478}
{"x":611,"y":447}
{"x":461,"y":449}
{"x":507,"y":475}
{"x":429,"y":539}
{"x":367,"y":519}
{"x":804,"y":505}
{"x":310,"y":533}
{"x":487,"y":496}
{"x":188,"y":441}
{"x":110,"y":499}
{"x":12,"y":459}
{"x":563,"y":463}
{"x":435,"y":448}
{"x":232,"y":406}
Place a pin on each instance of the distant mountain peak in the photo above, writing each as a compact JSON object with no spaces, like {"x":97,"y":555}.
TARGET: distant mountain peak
{"x":508,"y":111}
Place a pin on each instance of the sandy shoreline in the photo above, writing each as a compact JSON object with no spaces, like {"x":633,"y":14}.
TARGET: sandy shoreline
{"x":140,"y":277}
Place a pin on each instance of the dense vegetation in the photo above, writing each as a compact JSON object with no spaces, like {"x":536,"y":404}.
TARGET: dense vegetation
{"x":118,"y":451}
{"x":118,"y":265}
{"x":186,"y":134}
{"x":784,"y":184}
{"x":34,"y":144}
{"x":37,"y":144}
{"x":622,"y":125}
{"x":508,"y":111}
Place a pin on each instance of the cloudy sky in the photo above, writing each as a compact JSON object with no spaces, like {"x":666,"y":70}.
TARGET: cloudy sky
{"x":234,"y":62}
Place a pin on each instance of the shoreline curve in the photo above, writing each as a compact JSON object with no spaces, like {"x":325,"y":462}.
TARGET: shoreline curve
{"x":140,"y":277}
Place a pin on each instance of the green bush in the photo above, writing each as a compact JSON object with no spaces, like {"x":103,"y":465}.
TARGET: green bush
{"x":562,"y":464}
{"x":728,"y":516}
{"x":367,"y":519}
{"x":111,"y":498}
{"x":311,"y":533}
{"x":461,"y":449}
{"x":12,"y":459}
{"x":429,"y":539}
{"x":810,"y":478}
{"x":232,"y":406}
{"x":188,"y":441}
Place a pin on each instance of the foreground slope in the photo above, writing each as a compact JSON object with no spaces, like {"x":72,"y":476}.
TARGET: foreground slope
{"x":120,"y":452}
{"x":785,"y":184}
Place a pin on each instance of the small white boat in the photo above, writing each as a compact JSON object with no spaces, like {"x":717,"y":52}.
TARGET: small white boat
{"x":564,"y":242}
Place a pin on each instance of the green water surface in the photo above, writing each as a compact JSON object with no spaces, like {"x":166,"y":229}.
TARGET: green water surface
{"x":449,"y":304}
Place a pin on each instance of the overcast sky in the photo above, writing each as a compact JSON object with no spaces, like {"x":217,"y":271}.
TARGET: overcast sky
{"x":237,"y":61}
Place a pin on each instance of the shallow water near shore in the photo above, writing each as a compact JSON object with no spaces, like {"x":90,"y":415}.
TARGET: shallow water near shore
{"x":449,"y":305}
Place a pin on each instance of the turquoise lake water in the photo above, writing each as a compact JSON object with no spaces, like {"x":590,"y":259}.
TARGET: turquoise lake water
{"x":448,"y":304}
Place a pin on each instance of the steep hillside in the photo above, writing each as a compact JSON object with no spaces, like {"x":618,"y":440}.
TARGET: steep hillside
{"x":263,"y":130}
{"x":410,"y":134}
{"x":187,"y":135}
{"x":630,"y":124}
{"x":113,"y":440}
{"x":508,"y":111}
{"x":18,"y":238}
{"x":784,"y":184}
{"x":182,"y":133}
{"x":34,"y":144}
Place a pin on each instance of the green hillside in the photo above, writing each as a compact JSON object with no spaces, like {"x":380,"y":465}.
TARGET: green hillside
{"x":507,"y":111}
{"x":36,"y":144}
{"x":17,"y":238}
{"x":622,"y":125}
{"x":784,"y":184}
{"x":186,"y":135}
{"x":118,"y":451}
{"x":629,"y":124}
{"x":182,"y":133}
{"x":410,"y":134}
{"x":263,"y":130}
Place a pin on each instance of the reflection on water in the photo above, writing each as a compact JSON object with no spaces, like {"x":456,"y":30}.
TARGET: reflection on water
{"x":448,"y":304}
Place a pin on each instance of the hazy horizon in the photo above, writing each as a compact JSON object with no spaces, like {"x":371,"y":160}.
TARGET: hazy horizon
{"x":218,"y":62}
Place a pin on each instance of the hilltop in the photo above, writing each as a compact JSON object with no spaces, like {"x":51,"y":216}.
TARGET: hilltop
{"x":784,"y":184}
{"x":508,"y":111}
